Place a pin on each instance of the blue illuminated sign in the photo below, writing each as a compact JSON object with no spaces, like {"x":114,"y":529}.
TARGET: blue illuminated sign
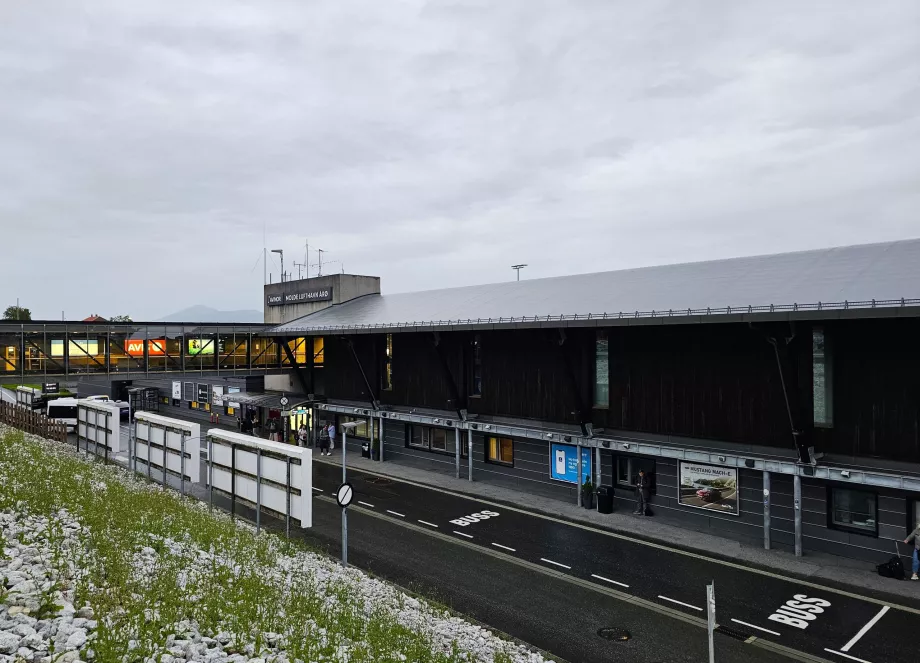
{"x":563,"y":463}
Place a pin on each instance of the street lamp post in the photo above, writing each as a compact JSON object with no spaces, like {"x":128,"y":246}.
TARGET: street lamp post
{"x":344,"y":491}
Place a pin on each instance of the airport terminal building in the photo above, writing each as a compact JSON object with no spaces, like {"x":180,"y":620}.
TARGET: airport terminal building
{"x":774,"y":399}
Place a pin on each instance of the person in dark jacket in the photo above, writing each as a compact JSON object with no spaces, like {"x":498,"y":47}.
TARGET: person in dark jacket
{"x":643,"y":492}
{"x":915,"y":538}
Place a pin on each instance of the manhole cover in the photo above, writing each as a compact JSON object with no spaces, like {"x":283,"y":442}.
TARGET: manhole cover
{"x":614,"y":633}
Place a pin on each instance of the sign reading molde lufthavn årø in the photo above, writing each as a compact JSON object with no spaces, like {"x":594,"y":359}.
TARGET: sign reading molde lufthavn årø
{"x":302,"y":297}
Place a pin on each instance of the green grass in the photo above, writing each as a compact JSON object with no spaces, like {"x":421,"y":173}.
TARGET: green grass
{"x":246,"y":585}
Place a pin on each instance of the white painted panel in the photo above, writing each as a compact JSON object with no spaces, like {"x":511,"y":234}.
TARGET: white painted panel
{"x":274,"y":469}
{"x":222,"y":479}
{"x":162,"y":431}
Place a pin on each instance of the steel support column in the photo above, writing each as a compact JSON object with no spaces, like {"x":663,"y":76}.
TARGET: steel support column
{"x":457,"y":450}
{"x":797,"y":506}
{"x":469,"y":457}
{"x":578,"y":478}
{"x":766,"y":510}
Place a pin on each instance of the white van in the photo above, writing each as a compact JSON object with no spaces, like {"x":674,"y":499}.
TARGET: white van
{"x":63,"y":410}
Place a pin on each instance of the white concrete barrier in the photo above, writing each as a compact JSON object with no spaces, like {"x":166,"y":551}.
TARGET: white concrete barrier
{"x":159,"y":441}
{"x":268,"y":475}
{"x":100,"y":423}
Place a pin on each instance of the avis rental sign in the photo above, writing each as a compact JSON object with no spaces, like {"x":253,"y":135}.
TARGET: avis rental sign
{"x":155,"y":348}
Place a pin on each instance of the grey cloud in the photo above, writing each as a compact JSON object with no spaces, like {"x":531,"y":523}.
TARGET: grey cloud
{"x":437,"y":143}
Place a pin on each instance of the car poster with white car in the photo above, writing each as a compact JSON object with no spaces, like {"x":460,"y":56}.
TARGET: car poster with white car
{"x":709,"y":487}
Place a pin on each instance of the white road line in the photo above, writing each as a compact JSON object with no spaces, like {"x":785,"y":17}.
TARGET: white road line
{"x":317,"y":490}
{"x":401,"y":515}
{"x":366,"y":504}
{"x":839,"y":653}
{"x":549,"y":561}
{"x":864,"y":629}
{"x":686,"y":605}
{"x":425,"y":522}
{"x":759,"y":628}
{"x":612,"y":582}
{"x":498,"y":545}
{"x":462,"y":534}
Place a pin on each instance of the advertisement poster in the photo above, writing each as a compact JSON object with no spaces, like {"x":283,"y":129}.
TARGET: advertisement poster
{"x":177,"y":391}
{"x":217,"y":395}
{"x":204,"y":394}
{"x":78,"y":348}
{"x":200,"y":346}
{"x":233,"y":390}
{"x":563,"y":463}
{"x":709,"y":487}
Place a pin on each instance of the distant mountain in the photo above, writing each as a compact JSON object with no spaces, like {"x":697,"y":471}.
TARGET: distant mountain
{"x":207,"y":314}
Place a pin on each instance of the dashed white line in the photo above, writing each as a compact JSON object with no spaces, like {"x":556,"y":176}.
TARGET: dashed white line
{"x":840,"y":653}
{"x":686,"y":605}
{"x":549,"y":561}
{"x":498,"y":545}
{"x":366,"y":504}
{"x":462,"y":534}
{"x":395,"y":513}
{"x":317,"y":490}
{"x":865,"y":629}
{"x":425,"y":522}
{"x":759,"y":628}
{"x":612,"y":582}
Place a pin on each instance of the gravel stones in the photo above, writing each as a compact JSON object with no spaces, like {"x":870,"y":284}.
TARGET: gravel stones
{"x":38,"y":614}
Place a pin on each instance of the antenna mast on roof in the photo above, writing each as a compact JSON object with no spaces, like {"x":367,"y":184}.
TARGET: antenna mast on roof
{"x":518,"y":269}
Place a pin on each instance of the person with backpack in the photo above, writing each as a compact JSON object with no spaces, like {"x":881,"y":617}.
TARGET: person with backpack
{"x":915,"y":537}
{"x":324,"y":440}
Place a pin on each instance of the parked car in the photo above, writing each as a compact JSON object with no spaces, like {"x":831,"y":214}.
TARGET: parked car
{"x":709,"y":494}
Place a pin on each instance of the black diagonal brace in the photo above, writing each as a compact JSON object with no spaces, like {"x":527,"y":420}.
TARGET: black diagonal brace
{"x":75,"y":343}
{"x":46,"y":355}
{"x":780,"y":345}
{"x":299,"y":372}
{"x":372,"y":396}
{"x":584,"y":417}
{"x":459,"y":403}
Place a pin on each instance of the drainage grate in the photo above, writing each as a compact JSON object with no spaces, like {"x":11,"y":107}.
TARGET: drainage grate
{"x":614,"y":633}
{"x":732,"y":633}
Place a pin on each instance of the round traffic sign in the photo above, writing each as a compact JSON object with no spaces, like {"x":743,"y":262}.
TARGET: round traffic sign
{"x":284,"y":401}
{"x":344,"y":494}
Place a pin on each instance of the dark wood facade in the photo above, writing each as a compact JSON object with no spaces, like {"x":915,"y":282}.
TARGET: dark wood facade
{"x":707,"y":381}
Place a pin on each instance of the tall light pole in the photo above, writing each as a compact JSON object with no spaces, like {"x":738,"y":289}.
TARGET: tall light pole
{"x":344,"y":494}
{"x":518,"y":269}
{"x":281,"y":253}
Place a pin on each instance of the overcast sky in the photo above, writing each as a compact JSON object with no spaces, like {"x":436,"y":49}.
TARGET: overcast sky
{"x":144,"y":145}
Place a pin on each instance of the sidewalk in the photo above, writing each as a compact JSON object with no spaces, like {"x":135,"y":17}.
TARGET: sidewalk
{"x":816,"y":567}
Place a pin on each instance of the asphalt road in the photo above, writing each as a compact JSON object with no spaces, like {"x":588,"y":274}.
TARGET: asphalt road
{"x":555,"y":584}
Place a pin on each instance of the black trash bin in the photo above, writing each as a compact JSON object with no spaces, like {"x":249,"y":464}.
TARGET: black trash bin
{"x":366,"y":449}
{"x":605,"y":499}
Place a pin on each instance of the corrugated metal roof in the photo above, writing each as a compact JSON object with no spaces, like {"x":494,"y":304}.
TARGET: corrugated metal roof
{"x":886,"y":274}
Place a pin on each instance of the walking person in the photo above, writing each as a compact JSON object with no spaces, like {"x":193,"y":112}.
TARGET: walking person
{"x":324,"y":440}
{"x":302,"y":435}
{"x":643,"y":492}
{"x":331,"y":438}
{"x":915,"y":537}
